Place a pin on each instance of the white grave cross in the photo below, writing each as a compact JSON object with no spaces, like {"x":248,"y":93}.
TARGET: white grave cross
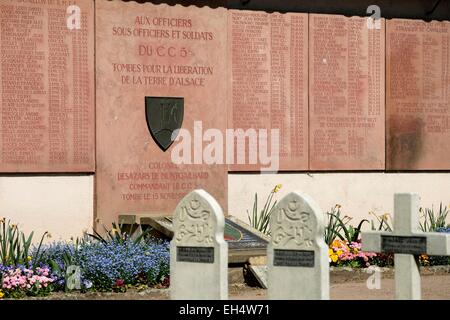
{"x":407,"y":242}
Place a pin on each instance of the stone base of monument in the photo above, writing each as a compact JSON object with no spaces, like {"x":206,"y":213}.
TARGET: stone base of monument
{"x":243,"y":241}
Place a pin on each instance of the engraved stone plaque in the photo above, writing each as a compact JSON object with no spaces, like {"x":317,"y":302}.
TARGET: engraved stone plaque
{"x":404,"y":244}
{"x":293,"y":258}
{"x":346,"y":93}
{"x":157,"y":51}
{"x":417,"y":95}
{"x":268,"y":68}
{"x":195,"y":254}
{"x":47,"y":101}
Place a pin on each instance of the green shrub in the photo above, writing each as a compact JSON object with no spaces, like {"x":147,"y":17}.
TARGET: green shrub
{"x":260,"y":219}
{"x":15,"y":247}
{"x":431,"y":221}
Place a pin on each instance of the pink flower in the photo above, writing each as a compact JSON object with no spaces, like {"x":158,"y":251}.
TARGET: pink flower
{"x":120,"y":283}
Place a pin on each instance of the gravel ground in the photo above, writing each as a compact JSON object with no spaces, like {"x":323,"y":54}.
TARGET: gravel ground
{"x":433,"y":287}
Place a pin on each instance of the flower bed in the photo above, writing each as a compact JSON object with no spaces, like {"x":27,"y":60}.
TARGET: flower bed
{"x":118,"y":262}
{"x":112,"y":265}
{"x":93,"y":263}
{"x":342,"y":253}
{"x":17,"y":282}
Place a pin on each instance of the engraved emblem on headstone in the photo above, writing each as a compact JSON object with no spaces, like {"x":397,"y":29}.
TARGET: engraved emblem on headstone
{"x":297,"y":230}
{"x":164,"y":117}
{"x":194,"y":223}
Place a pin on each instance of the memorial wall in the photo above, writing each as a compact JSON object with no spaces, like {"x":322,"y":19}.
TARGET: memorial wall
{"x":146,"y":51}
{"x":47,"y":109}
{"x":268,"y":70}
{"x":343,"y":97}
{"x":418,"y":95}
{"x":346,"y":93}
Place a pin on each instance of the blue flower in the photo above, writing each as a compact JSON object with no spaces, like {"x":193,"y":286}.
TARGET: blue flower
{"x":102,"y":264}
{"x":443,"y":229}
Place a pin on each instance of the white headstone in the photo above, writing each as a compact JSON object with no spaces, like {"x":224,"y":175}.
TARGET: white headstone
{"x":407,"y":242}
{"x":297,"y":256}
{"x":198,"y":251}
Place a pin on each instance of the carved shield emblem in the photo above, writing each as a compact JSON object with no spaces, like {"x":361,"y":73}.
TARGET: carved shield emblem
{"x":164,"y":116}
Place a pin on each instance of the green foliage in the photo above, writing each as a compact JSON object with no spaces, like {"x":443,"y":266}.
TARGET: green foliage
{"x":118,"y":235}
{"x":15,"y":247}
{"x":383,"y":222}
{"x":260,"y":219}
{"x":383,"y":260}
{"x":430,"y":220}
{"x":333,"y":226}
{"x":155,"y":276}
{"x":339,"y":227}
{"x":351,"y":233}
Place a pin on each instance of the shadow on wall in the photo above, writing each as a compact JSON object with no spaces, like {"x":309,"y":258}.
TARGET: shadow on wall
{"x":413,"y":9}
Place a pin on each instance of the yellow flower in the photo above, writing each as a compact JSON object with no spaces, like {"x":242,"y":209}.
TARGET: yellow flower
{"x":277,"y":188}
{"x":339,"y":252}
{"x":334,"y":258}
{"x":29,"y":258}
{"x":113,"y":230}
{"x":336,"y":243}
{"x":1,"y":294}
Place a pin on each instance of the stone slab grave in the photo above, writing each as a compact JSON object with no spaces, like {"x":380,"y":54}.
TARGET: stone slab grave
{"x":243,"y":240}
{"x":346,"y":93}
{"x":198,"y":251}
{"x":159,"y":68}
{"x":260,"y":274}
{"x":268,"y":76}
{"x":47,"y":97}
{"x":417,"y":95}
{"x":407,"y":242}
{"x":297,"y":256}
